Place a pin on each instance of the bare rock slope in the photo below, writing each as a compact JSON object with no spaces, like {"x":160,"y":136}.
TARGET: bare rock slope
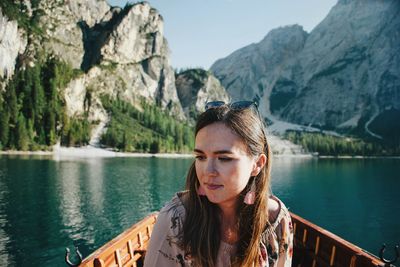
{"x":344,"y":75}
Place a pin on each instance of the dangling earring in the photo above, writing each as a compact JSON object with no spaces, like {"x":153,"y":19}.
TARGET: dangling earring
{"x":201,"y":191}
{"x":250,"y":196}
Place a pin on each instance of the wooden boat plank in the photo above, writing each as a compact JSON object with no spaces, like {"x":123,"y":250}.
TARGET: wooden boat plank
{"x":313,"y":246}
{"x":116,"y":252}
{"x":346,"y":253}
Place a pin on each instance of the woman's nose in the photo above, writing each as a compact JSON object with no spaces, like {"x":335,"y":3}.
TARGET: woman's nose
{"x":210,"y":167}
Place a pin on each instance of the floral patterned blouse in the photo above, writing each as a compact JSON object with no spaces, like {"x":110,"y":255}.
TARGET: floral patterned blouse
{"x":276,"y":242}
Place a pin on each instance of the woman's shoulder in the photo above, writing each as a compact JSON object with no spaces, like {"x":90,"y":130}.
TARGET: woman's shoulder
{"x":175,"y":207}
{"x":277,"y":212}
{"x":278,"y":236}
{"x":274,"y":207}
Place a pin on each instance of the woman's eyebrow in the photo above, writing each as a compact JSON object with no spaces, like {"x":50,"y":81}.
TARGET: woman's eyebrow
{"x":196,"y":150}
{"x":223,"y":152}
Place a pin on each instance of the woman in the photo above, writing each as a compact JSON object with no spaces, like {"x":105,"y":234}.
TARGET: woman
{"x":226,"y":216}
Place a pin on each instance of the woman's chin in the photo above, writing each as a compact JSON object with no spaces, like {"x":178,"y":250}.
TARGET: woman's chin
{"x":213,"y":199}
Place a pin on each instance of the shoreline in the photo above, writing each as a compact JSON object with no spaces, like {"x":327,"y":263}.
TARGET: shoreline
{"x":90,"y":152}
{"x":93,"y":152}
{"x":358,"y":157}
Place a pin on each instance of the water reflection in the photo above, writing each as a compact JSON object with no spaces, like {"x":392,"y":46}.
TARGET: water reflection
{"x":94,"y":172}
{"x":5,"y":256}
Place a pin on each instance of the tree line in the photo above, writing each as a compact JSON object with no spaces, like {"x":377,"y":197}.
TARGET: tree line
{"x":330,"y":145}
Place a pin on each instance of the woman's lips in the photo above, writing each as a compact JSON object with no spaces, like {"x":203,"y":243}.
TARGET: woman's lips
{"x":213,"y":186}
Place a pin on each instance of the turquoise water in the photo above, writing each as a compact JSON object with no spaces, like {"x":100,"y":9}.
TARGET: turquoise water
{"x":47,"y":205}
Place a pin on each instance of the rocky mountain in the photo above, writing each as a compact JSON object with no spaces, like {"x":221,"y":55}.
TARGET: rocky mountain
{"x":344,"y":75}
{"x":81,"y":72}
{"x":122,"y":51}
{"x":12,"y":43}
{"x":196,"y":87}
{"x":248,"y":71}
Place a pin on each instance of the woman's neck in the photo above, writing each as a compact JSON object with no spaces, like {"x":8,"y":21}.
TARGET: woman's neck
{"x":229,"y":227}
{"x":228,"y":211}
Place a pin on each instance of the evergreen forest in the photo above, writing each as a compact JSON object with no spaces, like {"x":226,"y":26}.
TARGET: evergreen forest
{"x":328,"y":145}
{"x":33,"y":113}
{"x":148,"y":130}
{"x":33,"y":116}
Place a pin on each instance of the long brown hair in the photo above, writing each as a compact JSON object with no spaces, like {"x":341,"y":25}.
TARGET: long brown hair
{"x":201,"y":237}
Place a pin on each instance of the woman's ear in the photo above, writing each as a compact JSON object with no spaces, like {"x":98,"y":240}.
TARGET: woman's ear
{"x":259,"y":164}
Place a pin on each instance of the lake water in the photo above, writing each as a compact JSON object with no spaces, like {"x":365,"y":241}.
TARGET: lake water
{"x":47,"y":205}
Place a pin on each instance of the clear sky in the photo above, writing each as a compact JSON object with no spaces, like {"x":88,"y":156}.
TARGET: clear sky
{"x":201,"y":31}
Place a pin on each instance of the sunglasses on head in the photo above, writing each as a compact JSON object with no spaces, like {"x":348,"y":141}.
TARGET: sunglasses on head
{"x":238,"y":105}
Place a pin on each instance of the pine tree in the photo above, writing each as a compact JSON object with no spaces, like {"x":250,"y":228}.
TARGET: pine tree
{"x":155,"y":146}
{"x":50,"y":126}
{"x":38,"y":98}
{"x":188,"y":137}
{"x":25,"y":88}
{"x":179,"y":136}
{"x":51,"y":112}
{"x":22,"y":138}
{"x":12,"y":101}
{"x":13,"y":111}
{"x":30,"y":131}
{"x":4,"y":125}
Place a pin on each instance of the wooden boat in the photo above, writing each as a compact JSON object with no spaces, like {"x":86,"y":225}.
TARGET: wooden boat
{"x":313,"y":246}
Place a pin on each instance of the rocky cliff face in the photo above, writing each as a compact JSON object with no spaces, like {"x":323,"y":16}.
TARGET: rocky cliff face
{"x":126,"y":56}
{"x":344,"y":75}
{"x":65,"y":24}
{"x":12,"y":43}
{"x":196,"y":87}
{"x":249,"y":72}
{"x":122,"y":52}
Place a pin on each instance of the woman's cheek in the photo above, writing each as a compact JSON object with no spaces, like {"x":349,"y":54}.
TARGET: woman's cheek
{"x":199,"y":167}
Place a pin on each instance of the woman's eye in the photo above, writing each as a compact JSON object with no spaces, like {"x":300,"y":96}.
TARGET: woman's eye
{"x":199,"y":157}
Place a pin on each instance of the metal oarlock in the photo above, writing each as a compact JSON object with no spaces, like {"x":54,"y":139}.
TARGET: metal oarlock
{"x":388,"y":263}
{"x":78,"y":253}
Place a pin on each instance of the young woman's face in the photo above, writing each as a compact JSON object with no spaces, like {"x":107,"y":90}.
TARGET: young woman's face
{"x":223,"y":166}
